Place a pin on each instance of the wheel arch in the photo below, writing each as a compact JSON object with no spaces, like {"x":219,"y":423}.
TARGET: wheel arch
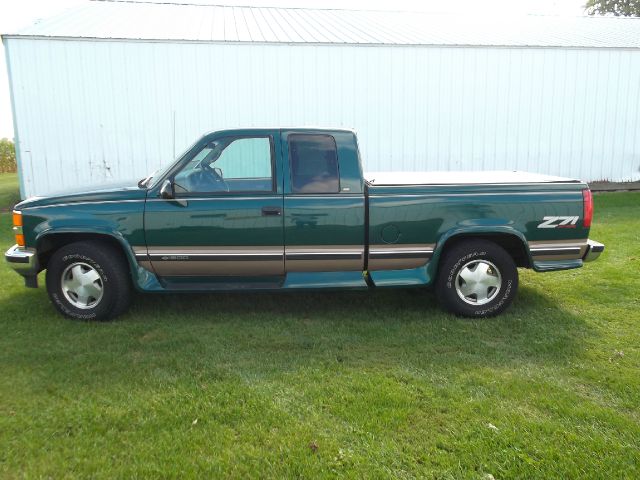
{"x":511,"y":240}
{"x":50,"y":241}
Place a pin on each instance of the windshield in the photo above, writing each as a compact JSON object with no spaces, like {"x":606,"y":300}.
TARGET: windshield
{"x":153,"y":179}
{"x":206,"y":157}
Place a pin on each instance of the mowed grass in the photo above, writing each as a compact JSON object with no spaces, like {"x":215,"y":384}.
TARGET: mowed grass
{"x":9,"y":194}
{"x":376,"y":384}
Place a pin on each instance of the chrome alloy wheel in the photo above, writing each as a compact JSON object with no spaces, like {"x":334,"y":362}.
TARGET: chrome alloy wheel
{"x":82,"y":285}
{"x":478,"y":282}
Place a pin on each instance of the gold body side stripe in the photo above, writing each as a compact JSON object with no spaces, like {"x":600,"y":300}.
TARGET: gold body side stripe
{"x":213,"y":261}
{"x":269,"y":260}
{"x":558,"y":249}
{"x":399,"y":256}
{"x":324,"y":258}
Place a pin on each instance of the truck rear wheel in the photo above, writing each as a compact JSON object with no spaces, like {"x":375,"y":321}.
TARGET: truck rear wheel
{"x":89,"y":281}
{"x":477,"y":278}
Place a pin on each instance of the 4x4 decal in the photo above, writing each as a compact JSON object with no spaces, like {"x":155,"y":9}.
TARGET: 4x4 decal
{"x":559,"y":222}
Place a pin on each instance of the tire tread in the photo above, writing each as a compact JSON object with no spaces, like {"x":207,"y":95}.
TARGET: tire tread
{"x":447,"y":295}
{"x":111,"y":260}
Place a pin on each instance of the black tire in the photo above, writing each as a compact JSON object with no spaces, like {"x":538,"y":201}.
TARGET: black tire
{"x":474,"y":254}
{"x":114,"y":280}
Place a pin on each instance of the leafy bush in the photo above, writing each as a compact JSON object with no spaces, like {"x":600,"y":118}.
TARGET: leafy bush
{"x":7,"y":156}
{"x":619,"y":8}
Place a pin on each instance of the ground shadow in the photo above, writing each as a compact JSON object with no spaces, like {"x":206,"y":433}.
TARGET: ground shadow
{"x":533,"y":329}
{"x":267,"y":331}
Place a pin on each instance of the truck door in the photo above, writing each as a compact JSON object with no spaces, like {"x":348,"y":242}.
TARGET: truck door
{"x":225,"y":219}
{"x":324,"y":204}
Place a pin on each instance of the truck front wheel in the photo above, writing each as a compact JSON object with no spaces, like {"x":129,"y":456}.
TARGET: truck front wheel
{"x":89,"y":281}
{"x":477,"y":278}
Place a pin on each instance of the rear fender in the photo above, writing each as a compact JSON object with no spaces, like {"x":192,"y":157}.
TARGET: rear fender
{"x":481,"y":232}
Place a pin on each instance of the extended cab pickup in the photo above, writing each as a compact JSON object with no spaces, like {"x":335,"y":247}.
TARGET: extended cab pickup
{"x":284,"y":209}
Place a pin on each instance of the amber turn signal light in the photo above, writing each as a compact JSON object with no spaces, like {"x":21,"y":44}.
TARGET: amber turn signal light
{"x":17,"y":228}
{"x":17,"y":219}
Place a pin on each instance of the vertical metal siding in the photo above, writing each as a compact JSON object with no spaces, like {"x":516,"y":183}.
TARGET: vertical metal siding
{"x":93,"y":112}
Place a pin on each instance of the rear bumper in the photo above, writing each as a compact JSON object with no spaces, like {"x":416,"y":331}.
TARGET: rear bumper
{"x":594,"y":249}
{"x":25,"y":262}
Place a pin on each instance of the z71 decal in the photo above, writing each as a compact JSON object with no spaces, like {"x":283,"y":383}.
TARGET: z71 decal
{"x":559,"y":222}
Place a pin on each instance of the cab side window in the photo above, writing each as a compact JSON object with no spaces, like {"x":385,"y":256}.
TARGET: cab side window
{"x":314,"y":163}
{"x":228,"y":165}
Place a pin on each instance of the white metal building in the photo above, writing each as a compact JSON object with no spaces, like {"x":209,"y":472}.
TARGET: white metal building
{"x":111,"y":91}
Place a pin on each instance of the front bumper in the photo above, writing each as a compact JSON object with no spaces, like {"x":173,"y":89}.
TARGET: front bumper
{"x":25,"y":262}
{"x":594,"y":249}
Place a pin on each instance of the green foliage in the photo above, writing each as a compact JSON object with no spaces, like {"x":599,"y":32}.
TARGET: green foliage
{"x":9,"y":194}
{"x":378,"y":384}
{"x":7,"y":156}
{"x":619,"y":8}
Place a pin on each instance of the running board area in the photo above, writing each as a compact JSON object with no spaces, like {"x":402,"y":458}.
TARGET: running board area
{"x":223,"y":284}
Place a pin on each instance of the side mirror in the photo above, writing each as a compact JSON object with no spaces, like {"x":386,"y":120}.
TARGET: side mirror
{"x":166,"y":191}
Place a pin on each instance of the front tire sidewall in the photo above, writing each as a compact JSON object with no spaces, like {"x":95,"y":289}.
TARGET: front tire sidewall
{"x":457,"y":259}
{"x":54,"y":286}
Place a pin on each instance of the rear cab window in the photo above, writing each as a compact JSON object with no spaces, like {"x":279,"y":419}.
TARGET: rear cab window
{"x":314,"y":163}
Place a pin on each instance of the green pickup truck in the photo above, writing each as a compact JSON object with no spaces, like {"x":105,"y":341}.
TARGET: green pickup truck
{"x":290,"y":209}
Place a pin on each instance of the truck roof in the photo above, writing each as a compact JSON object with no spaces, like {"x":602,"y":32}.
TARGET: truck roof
{"x":307,"y":128}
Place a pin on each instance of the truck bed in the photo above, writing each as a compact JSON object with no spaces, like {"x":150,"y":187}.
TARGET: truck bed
{"x":461,"y":178}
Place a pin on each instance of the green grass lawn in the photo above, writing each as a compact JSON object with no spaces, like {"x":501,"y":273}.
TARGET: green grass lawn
{"x":9,"y":194}
{"x":362,"y":384}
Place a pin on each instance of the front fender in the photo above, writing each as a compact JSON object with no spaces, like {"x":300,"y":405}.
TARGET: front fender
{"x":143,"y":279}
{"x":98,"y":232}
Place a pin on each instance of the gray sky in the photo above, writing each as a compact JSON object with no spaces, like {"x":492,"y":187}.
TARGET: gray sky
{"x":15,"y":14}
